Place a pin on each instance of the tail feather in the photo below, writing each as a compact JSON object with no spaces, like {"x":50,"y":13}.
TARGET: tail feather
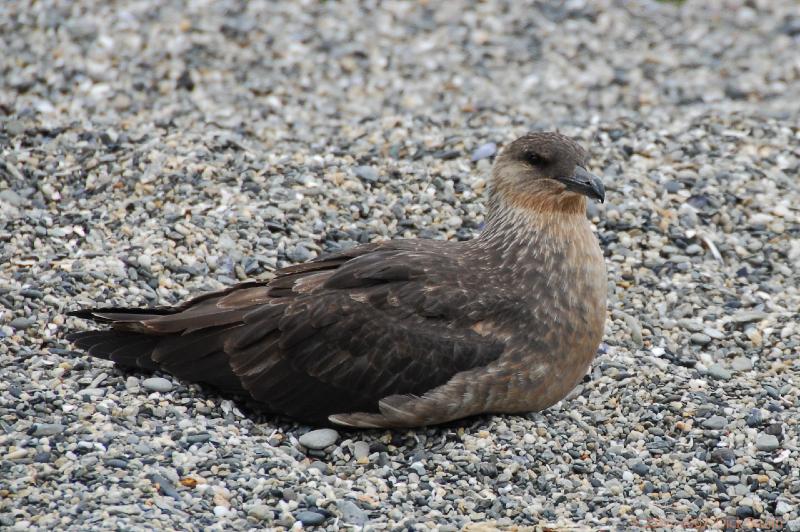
{"x":193,"y":355}
{"x":106,"y":315}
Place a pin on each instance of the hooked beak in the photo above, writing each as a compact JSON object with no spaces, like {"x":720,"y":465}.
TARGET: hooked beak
{"x":585,"y":183}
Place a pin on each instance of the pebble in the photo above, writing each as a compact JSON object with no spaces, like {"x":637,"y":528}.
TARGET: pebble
{"x":483,"y":151}
{"x":754,"y":418}
{"x":715,"y":423}
{"x":361,"y":451}
{"x":47,"y":429}
{"x":724,"y":456}
{"x":748,"y":316}
{"x":767,"y":442}
{"x":319,"y":439}
{"x":718,"y":372}
{"x":367,"y":173}
{"x":22,"y":323}
{"x":352,"y":514}
{"x":309,"y":518}
{"x":700,"y":338}
{"x":260,"y":512}
{"x":157,"y":384}
{"x":741,"y":364}
{"x":165,"y":486}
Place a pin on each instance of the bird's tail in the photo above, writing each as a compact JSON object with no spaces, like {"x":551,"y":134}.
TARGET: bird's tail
{"x":132,"y":343}
{"x":124,"y":347}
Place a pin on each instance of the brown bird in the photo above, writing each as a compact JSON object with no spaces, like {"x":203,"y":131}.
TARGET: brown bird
{"x":404,"y":333}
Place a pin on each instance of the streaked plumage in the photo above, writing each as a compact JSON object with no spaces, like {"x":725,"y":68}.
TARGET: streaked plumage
{"x":404,"y":332}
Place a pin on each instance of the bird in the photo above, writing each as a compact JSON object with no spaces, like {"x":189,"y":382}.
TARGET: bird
{"x":408,"y":332}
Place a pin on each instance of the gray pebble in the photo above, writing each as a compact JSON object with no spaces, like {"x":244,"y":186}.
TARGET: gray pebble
{"x":260,"y":512}
{"x":741,"y":364}
{"x":723,"y":455}
{"x":715,"y":423}
{"x":352,"y":514}
{"x":299,"y":254}
{"x":360,"y":450}
{"x":22,"y":323}
{"x":198,"y":438}
{"x":754,"y":418}
{"x":165,"y":486}
{"x":718,"y":372}
{"x":47,"y":429}
{"x":318,"y":439}
{"x":484,"y":151}
{"x":157,"y":384}
{"x":748,"y":316}
{"x":367,"y":173}
{"x":767,"y":442}
{"x":694,"y":249}
{"x":309,"y":518}
{"x":714,"y":333}
{"x":700,"y":338}
{"x":11,"y":197}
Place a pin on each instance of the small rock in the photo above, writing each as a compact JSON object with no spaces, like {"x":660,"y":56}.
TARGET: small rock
{"x":260,"y":512}
{"x":46,"y":429}
{"x":484,"y":151}
{"x":634,"y":328}
{"x":221,"y":511}
{"x":11,"y":197}
{"x":299,"y":254}
{"x":783,"y":508}
{"x":198,"y":438}
{"x":165,"y":486}
{"x":741,"y":364}
{"x":754,"y":418}
{"x":116,"y":462}
{"x":700,"y":338}
{"x":352,"y":514}
{"x":319,"y":439}
{"x":748,"y":316}
{"x":767,"y":442}
{"x":309,"y":518}
{"x":361,"y":451}
{"x":714,"y":333}
{"x":694,"y":249}
{"x":131,"y":383}
{"x":157,"y":384}
{"x":367,"y":173}
{"x":715,"y":423}
{"x":724,"y":456}
{"x":22,"y":323}
{"x":718,"y":372}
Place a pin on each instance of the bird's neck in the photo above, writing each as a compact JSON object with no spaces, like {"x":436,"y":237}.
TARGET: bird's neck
{"x":535,"y":225}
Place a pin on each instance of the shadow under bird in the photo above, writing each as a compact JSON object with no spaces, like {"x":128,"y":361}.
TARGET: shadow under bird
{"x":403,"y":333}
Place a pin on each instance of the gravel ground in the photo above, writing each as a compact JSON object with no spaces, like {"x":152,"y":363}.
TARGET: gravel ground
{"x":153,"y":150}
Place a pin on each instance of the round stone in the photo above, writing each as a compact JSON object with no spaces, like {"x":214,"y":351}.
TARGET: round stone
{"x":767,"y":442}
{"x":715,"y":423}
{"x":309,"y":518}
{"x":157,"y":384}
{"x":319,"y":439}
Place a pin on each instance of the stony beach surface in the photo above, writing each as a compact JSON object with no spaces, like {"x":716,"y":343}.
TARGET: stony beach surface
{"x":150,"y":151}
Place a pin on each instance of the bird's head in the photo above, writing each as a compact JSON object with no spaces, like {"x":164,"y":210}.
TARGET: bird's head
{"x":545,"y":172}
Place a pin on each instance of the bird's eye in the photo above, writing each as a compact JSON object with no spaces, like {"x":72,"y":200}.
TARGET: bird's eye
{"x":536,"y":159}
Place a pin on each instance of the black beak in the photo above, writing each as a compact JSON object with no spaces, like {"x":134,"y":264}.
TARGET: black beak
{"x":585,"y":183}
